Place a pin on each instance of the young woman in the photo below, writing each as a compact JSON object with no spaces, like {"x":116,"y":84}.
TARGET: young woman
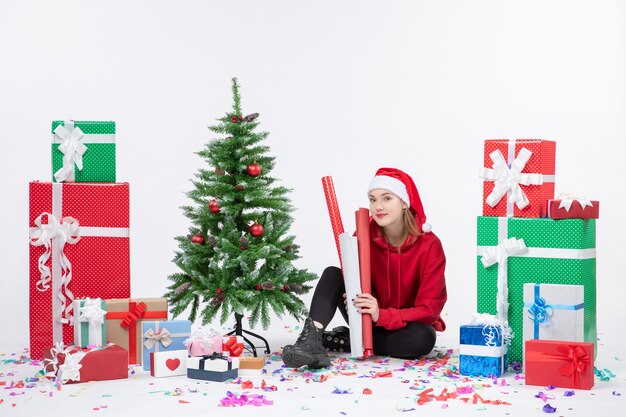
{"x":408,"y":283}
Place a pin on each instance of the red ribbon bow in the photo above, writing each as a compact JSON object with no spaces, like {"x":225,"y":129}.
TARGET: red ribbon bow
{"x":577,"y":360}
{"x":132,"y":316}
{"x":231,"y":345}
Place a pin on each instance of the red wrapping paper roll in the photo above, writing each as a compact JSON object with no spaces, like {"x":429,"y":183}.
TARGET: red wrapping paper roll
{"x":333,"y":210}
{"x":363,"y":239}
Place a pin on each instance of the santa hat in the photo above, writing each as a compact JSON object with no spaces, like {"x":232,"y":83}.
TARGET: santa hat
{"x":402,"y":185}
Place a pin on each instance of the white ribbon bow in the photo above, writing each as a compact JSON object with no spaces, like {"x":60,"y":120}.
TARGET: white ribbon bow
{"x":500,"y":255}
{"x":492,"y":327}
{"x":567,"y":200}
{"x":70,"y":369}
{"x":163,"y":336}
{"x":92,"y":312}
{"x":73,"y":149}
{"x":66,"y":231}
{"x":507,"y":178}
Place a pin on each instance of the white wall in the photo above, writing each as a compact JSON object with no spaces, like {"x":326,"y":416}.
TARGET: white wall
{"x":342,"y":87}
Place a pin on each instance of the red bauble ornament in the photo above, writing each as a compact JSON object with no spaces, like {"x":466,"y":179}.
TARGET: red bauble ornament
{"x":258,"y":287}
{"x":239,"y":187}
{"x":254,"y":170}
{"x":256,"y":230}
{"x":197,"y":239}
{"x":285,"y":288}
{"x":240,"y":118}
{"x":233,"y":119}
{"x":219,"y":290}
{"x":214,"y":206}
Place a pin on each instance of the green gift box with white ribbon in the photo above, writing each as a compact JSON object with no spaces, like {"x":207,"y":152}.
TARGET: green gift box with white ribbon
{"x":556,"y":252}
{"x":83,"y":151}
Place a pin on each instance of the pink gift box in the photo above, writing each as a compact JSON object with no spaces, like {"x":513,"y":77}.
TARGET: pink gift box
{"x":205,"y":346}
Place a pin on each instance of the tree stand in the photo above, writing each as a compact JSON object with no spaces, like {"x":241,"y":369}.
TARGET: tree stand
{"x":239,"y":331}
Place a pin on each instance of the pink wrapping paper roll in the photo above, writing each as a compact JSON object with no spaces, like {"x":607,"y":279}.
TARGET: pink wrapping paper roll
{"x":333,"y":210}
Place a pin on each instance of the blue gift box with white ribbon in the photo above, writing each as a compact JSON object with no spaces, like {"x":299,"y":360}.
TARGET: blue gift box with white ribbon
{"x":554,"y":312}
{"x":482,"y":351}
{"x":159,"y":336}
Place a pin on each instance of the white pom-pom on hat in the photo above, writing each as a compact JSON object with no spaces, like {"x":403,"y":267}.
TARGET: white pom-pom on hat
{"x":426,"y":227}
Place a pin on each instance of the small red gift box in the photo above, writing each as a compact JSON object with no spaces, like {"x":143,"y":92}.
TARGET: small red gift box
{"x":74,"y":364}
{"x":518,"y":177}
{"x":573,"y":208}
{"x":79,"y":248}
{"x":232,"y":345}
{"x":559,"y":363}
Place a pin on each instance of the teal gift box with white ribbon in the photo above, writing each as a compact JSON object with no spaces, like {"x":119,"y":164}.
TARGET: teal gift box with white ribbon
{"x":83,"y":151}
{"x":554,"y":312}
{"x":160,"y":336}
{"x":89,"y":321}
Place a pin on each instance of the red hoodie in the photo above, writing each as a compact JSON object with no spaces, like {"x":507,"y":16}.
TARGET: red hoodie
{"x":410,"y":285}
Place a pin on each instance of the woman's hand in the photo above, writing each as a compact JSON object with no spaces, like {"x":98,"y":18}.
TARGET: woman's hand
{"x":366,"y":303}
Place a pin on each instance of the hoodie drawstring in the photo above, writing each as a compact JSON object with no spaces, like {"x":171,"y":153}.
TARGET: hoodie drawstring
{"x":399,"y":278}
{"x":388,"y":279}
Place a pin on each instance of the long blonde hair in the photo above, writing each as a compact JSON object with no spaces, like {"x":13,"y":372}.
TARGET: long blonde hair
{"x":409,"y":228}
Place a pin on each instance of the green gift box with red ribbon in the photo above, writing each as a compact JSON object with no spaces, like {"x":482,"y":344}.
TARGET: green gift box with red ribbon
{"x":560,"y":364}
{"x":556,"y":252}
{"x":124,"y":322}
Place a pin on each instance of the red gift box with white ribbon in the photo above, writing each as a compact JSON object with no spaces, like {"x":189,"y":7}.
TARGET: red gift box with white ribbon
{"x":572,"y":207}
{"x":73,"y":364}
{"x":518,"y":177}
{"x":559,"y":363}
{"x":79,"y":247}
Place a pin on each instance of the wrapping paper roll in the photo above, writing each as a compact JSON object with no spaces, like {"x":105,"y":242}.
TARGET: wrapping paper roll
{"x":333,"y":211}
{"x":352,"y":280}
{"x":363,"y":239}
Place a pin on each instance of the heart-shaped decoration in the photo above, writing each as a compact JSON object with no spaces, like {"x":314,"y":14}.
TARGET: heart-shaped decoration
{"x":172,"y":364}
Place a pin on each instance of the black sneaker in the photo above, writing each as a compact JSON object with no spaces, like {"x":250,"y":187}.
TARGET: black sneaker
{"x":337,"y":339}
{"x":308,"y":349}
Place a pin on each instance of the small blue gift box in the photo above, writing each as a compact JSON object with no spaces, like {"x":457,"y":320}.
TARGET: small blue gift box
{"x":159,"y":336}
{"x":215,"y":367}
{"x":482,"y":351}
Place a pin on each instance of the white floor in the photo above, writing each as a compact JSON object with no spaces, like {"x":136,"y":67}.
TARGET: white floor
{"x":334,"y":392}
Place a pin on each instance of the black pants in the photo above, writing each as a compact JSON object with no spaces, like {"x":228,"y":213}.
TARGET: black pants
{"x":414,"y":340}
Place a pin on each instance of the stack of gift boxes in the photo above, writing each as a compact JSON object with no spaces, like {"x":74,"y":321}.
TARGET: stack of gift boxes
{"x":536,"y":268}
{"x":81,"y":317}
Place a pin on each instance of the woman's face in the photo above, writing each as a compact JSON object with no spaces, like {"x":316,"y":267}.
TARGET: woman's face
{"x":386,"y":207}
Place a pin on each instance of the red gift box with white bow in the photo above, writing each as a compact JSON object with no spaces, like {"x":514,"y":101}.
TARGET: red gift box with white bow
{"x":73,"y":364}
{"x":559,"y":363}
{"x":573,"y":208}
{"x":518,"y":177}
{"x":79,"y":247}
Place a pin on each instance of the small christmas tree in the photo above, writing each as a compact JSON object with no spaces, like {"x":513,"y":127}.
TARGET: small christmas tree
{"x":238,"y":256}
